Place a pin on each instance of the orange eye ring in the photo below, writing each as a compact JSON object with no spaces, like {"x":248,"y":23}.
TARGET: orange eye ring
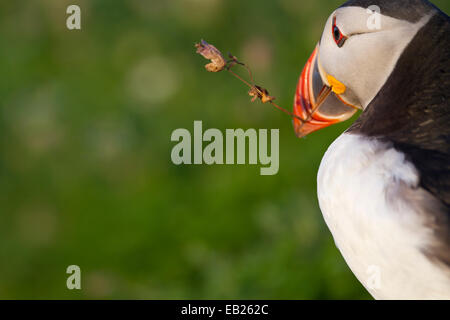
{"x":338,"y":37}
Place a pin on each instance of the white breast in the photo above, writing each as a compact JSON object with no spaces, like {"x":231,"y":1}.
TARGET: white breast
{"x":378,"y":233}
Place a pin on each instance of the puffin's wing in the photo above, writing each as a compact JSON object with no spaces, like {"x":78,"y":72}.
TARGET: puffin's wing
{"x":435,"y":214}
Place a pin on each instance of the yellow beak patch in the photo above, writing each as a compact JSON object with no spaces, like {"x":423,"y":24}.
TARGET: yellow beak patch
{"x":336,"y":86}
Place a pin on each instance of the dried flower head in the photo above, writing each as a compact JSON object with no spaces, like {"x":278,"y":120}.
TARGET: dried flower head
{"x":218,"y":63}
{"x":261,"y":93}
{"x":253,"y":92}
{"x":208,"y":51}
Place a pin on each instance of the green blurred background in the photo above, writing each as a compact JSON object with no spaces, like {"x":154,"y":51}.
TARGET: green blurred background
{"x":85,"y":170}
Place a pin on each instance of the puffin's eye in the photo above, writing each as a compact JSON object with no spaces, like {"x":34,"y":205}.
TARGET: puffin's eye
{"x":336,"y":34}
{"x":338,"y":37}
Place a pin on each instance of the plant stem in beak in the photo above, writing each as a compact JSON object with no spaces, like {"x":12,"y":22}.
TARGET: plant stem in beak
{"x":323,"y":94}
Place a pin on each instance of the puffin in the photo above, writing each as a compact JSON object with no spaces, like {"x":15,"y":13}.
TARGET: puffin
{"x":383,"y":185}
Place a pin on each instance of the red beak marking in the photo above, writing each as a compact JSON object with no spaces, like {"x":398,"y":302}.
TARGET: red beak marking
{"x":305,"y":103}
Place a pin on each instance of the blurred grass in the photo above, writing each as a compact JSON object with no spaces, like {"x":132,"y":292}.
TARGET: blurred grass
{"x":85,"y":170}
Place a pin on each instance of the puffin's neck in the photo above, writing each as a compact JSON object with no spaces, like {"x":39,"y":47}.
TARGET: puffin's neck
{"x":411,"y":111}
{"x":416,"y":95}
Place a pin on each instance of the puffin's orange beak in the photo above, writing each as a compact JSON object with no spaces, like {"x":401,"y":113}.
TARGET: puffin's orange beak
{"x":317,"y":103}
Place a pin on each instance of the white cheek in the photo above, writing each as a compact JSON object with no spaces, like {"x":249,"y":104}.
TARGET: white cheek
{"x":365,"y":61}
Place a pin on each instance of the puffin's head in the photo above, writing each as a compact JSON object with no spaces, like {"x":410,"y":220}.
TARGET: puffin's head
{"x":359,"y":48}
